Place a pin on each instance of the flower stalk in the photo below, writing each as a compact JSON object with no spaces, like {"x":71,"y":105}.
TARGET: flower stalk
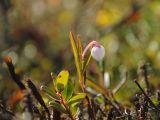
{"x":90,"y":45}
{"x":97,"y":50}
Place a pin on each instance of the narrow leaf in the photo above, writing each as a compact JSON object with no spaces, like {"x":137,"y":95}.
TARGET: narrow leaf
{"x":74,"y":104}
{"x":58,"y":106}
{"x":79,"y":45}
{"x":74,"y":110}
{"x":76,"y":56}
{"x":79,"y":49}
{"x":77,"y":98}
{"x":50,"y":93}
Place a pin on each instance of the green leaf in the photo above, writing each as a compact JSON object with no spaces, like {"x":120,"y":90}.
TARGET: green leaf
{"x":100,"y":100}
{"x":58,"y":106}
{"x":74,"y":104}
{"x":50,"y":93}
{"x":79,"y":45}
{"x":77,"y":98}
{"x":79,"y":49}
{"x":73,"y":110}
{"x":60,"y":87}
{"x":62,"y":80}
{"x":76,"y":56}
{"x":68,"y":91}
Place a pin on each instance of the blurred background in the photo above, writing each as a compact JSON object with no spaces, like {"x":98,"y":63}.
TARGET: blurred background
{"x":35,"y":33}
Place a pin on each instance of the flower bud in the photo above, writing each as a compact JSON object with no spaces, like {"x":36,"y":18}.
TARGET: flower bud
{"x":98,"y":52}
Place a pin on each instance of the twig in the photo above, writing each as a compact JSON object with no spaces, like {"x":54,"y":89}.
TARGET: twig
{"x":14,"y":76}
{"x":56,"y":115}
{"x":37,"y":96}
{"x":108,"y":101}
{"x":36,"y":111}
{"x":90,"y":110}
{"x":145,"y":74}
{"x":149,"y":100}
{"x":93,"y":108}
{"x":27,"y":101}
{"x":115,"y":90}
{"x":99,"y":108}
{"x":5,"y":110}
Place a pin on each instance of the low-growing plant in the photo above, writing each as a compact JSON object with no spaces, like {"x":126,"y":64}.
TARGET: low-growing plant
{"x":93,"y":101}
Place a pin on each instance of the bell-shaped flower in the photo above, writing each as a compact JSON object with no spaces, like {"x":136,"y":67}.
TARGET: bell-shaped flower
{"x":98,"y":52}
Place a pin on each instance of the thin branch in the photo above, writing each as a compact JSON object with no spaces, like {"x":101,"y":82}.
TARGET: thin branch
{"x":90,"y":110}
{"x":99,"y":108}
{"x":27,"y":101}
{"x":108,"y":101}
{"x":5,"y":110}
{"x":14,"y":76}
{"x":56,"y":115}
{"x":36,"y":111}
{"x":149,"y":100}
{"x":115,"y":90}
{"x":145,"y":74}
{"x":37,"y":96}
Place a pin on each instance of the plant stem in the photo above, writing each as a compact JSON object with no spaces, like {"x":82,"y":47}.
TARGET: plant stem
{"x":15,"y":77}
{"x":66,"y":106}
{"x":89,"y":46}
{"x":145,"y":74}
{"x":17,"y":80}
{"x":82,"y":86}
{"x":90,"y":109}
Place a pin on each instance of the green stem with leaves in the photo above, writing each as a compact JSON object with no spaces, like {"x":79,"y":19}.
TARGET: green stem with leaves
{"x":62,"y":101}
